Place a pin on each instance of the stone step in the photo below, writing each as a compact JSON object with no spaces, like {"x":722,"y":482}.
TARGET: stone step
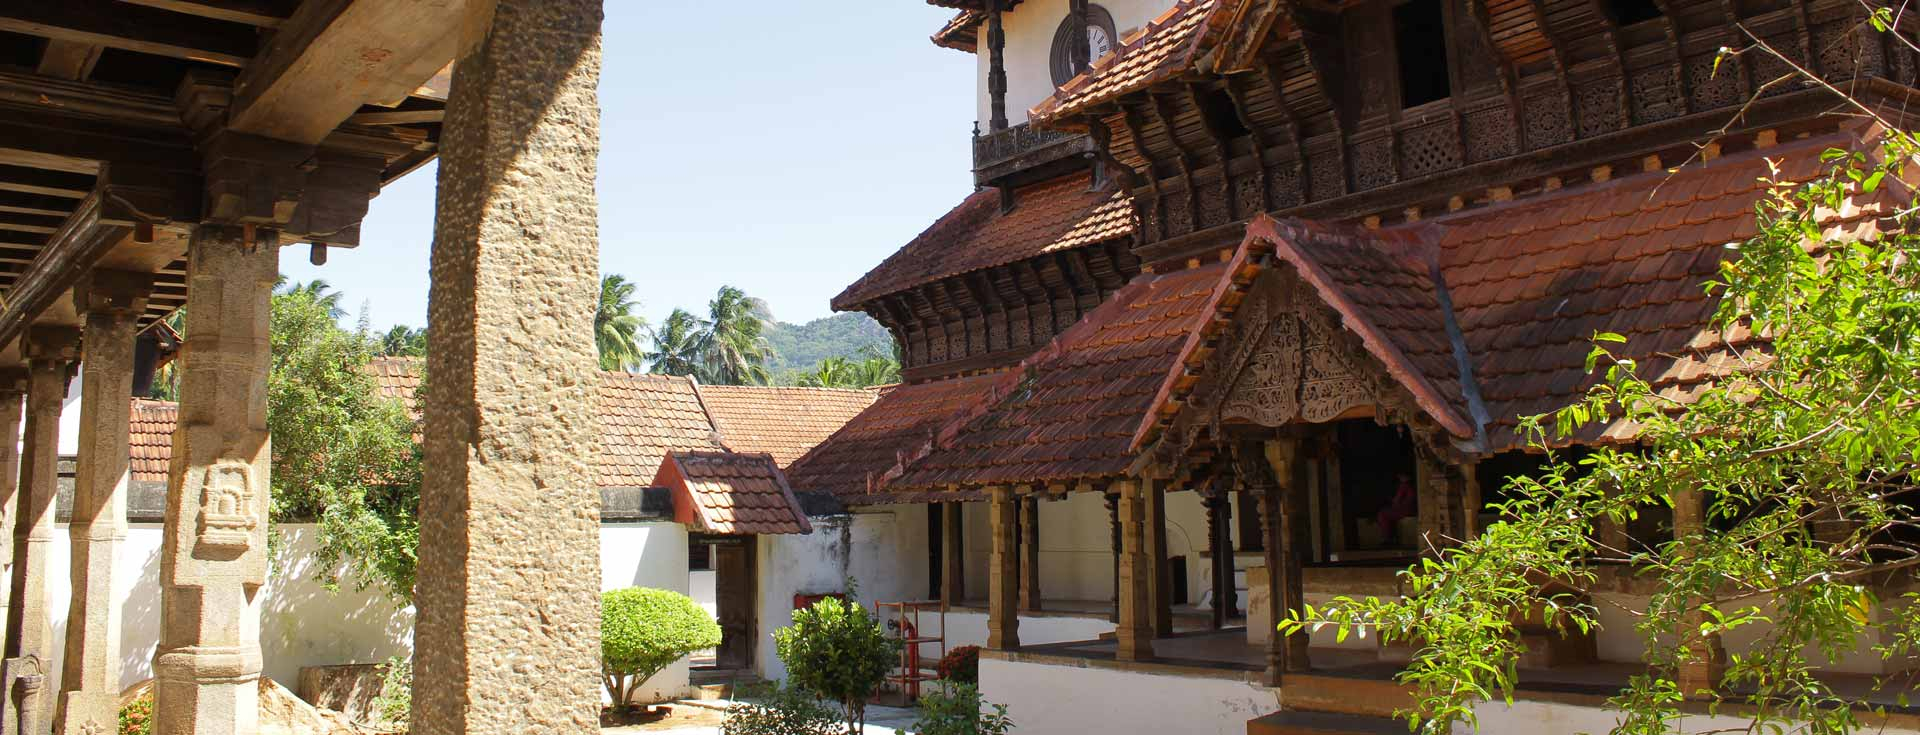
{"x":1323,"y":723}
{"x":1340,"y":695}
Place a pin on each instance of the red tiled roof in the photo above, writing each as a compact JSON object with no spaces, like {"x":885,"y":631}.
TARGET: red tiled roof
{"x":642,"y":417}
{"x":397,"y":377}
{"x":962,"y":33}
{"x":849,"y":462}
{"x":1163,"y":49}
{"x":151,"y":439}
{"x":1534,"y":281}
{"x":727,"y":492}
{"x":785,"y":422}
{"x":1072,"y":410}
{"x":1051,"y":216}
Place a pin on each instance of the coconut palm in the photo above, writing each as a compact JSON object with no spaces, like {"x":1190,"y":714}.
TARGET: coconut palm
{"x":733,"y":348}
{"x":317,"y":289}
{"x":676,"y":345}
{"x":616,"y":329}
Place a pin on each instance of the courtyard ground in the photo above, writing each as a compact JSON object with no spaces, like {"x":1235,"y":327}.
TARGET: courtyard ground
{"x":705,"y":718}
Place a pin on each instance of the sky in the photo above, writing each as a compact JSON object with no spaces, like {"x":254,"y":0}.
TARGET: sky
{"x":781,"y":147}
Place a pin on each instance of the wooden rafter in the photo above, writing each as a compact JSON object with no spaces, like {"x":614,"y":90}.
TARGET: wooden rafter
{"x":315,"y":73}
{"x":262,"y":13}
{"x":134,"y":28}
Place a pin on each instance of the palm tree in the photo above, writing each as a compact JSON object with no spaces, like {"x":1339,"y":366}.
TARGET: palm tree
{"x":404,"y":341}
{"x":676,"y":345}
{"x":317,"y":289}
{"x":616,"y":329}
{"x":733,"y":348}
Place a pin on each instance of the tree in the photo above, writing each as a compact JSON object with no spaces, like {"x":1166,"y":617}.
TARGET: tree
{"x":343,"y":456}
{"x":316,"y":290}
{"x":676,"y":345}
{"x":401,"y":340}
{"x":733,"y":348}
{"x":643,"y":631}
{"x":837,"y":650}
{"x":1803,"y":463}
{"x":870,"y":369}
{"x":616,"y":329}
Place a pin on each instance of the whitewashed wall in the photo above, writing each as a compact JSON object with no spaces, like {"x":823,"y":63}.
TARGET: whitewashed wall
{"x":1076,"y":546}
{"x":792,"y":564}
{"x":1029,"y":32}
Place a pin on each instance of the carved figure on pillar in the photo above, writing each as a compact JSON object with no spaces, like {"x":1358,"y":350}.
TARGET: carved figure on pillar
{"x":90,"y":675}
{"x":213,"y":556}
{"x":50,"y":352}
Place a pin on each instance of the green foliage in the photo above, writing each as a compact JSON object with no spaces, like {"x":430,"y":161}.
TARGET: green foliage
{"x":136,"y":718}
{"x":645,"y":630}
{"x":868,"y":369}
{"x":782,"y":711}
{"x":733,"y":347}
{"x":958,"y":711}
{"x":343,"y":456}
{"x":836,"y":649}
{"x":799,"y":347}
{"x":676,"y":345}
{"x":394,"y":704}
{"x":961,"y":665}
{"x":1804,"y":464}
{"x":403,"y":341}
{"x":616,"y":329}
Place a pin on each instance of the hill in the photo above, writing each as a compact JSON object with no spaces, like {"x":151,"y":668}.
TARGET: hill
{"x":802,"y":346}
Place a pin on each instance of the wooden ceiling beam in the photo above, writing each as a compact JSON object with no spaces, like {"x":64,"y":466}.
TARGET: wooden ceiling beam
{"x":133,"y":28}
{"x":40,"y":204}
{"x":76,"y":146}
{"x":44,"y":182}
{"x":316,"y":73}
{"x":262,"y":13}
{"x":69,"y":60}
{"x":28,"y":239}
{"x":36,"y":223}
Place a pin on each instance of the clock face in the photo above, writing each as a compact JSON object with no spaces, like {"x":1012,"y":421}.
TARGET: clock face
{"x":1098,"y":43}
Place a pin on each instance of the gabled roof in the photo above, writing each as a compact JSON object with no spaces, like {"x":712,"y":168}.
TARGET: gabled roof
{"x":1051,"y":216}
{"x":727,"y":492}
{"x":785,"y":422}
{"x":150,"y":439}
{"x":962,"y":33}
{"x":850,"y":462}
{"x":642,"y":417}
{"x":397,"y":377}
{"x":1163,"y":49}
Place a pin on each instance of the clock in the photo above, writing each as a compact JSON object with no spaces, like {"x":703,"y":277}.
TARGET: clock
{"x":1099,"y":37}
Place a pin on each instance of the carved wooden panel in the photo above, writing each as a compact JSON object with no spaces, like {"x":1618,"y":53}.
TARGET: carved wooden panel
{"x":1373,"y":160}
{"x":1490,"y":132}
{"x":1429,"y":148}
{"x":1283,"y":185}
{"x":1324,"y":168}
{"x":1543,"y":117}
{"x":1596,"y":103}
{"x":1655,"y":94}
{"x":1711,"y":88}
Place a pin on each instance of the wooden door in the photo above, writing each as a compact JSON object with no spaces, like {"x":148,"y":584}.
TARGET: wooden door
{"x":733,"y":595}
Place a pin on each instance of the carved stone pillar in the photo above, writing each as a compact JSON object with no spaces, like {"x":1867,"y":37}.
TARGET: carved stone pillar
{"x":50,"y":353}
{"x":1003,"y":572}
{"x":953,"y":579}
{"x":1159,"y":581}
{"x":213,"y":557}
{"x":1294,"y":540}
{"x":1134,"y":635}
{"x":90,"y":675}
{"x":1030,"y":552}
{"x":508,"y":634}
{"x":1220,"y":554}
{"x":1699,"y":677}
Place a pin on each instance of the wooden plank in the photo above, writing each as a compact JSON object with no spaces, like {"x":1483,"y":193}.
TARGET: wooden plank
{"x":41,"y":204}
{"x":68,"y":254}
{"x":398,"y":118}
{"x":49,"y":161}
{"x":44,"y":182}
{"x":69,"y":60}
{"x":67,"y":144}
{"x":29,"y":223}
{"x":262,"y":13}
{"x":134,"y":28}
{"x":316,"y":71}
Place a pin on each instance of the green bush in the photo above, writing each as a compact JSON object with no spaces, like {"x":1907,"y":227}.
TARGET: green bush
{"x":645,"y":630}
{"x":836,"y":649}
{"x":394,"y":705}
{"x":961,"y":665}
{"x":956,"y":711}
{"x":782,"y":711}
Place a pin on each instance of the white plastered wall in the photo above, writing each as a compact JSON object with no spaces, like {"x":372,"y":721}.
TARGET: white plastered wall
{"x":1029,"y":31}
{"x":1076,"y":546}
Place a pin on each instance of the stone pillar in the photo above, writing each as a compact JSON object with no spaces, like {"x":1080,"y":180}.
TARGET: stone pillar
{"x":508,"y":634}
{"x":13,"y":394}
{"x":1134,"y":635}
{"x":1699,"y":677}
{"x":1294,"y":541}
{"x":1003,"y":572}
{"x":953,"y":579}
{"x":1030,"y":552}
{"x":50,"y":353}
{"x":1113,"y":524}
{"x":213,"y":555}
{"x":90,"y":677}
{"x":1220,"y":554}
{"x":1159,"y":580}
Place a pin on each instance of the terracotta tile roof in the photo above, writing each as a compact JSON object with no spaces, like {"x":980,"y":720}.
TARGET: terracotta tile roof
{"x":1165,"y":48}
{"x":1072,"y":410}
{"x":1051,"y":216}
{"x":151,"y":439}
{"x":642,"y":417}
{"x":727,"y":492}
{"x":1533,"y":282}
{"x":962,"y":33}
{"x":782,"y":421}
{"x":397,"y":377}
{"x":849,"y":463}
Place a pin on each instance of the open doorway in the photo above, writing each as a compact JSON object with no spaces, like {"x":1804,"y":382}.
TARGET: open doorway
{"x":729,"y":568}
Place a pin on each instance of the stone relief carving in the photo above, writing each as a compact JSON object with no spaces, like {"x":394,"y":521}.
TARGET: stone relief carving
{"x":227,"y":520}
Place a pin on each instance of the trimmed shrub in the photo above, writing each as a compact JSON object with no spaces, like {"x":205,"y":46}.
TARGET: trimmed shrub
{"x":956,"y":711}
{"x":836,"y":649}
{"x":782,"y":711}
{"x":961,"y":665}
{"x":645,"y":630}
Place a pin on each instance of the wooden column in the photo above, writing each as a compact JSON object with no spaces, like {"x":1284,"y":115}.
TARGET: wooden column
{"x":1294,"y":542}
{"x":1336,"y":501}
{"x":90,"y":674}
{"x":1134,"y":634}
{"x":50,"y":353}
{"x":1159,"y":580}
{"x":1438,"y":504}
{"x":1030,"y":551}
{"x":1220,"y":557}
{"x":953,"y":579}
{"x":997,"y":67}
{"x":1268,"y":497}
{"x":1113,"y":524}
{"x":1699,"y":677}
{"x":1003,"y":572}
{"x":507,"y":639}
{"x":1471,"y":501}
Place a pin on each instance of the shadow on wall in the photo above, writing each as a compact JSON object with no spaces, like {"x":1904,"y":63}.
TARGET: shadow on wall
{"x":140,"y":616}
{"x":305,"y":624}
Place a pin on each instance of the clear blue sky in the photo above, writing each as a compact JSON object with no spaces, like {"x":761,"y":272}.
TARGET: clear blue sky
{"x":780,"y":147}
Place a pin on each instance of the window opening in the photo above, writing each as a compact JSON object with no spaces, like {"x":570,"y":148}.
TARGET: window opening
{"x":1420,"y":35}
{"x":1629,"y":12}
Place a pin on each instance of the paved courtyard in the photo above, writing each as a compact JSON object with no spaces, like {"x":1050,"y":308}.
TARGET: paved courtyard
{"x":705,"y":718}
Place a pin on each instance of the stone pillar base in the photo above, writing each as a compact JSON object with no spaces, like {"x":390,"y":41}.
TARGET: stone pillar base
{"x":207,"y":689}
{"x":23,"y":692}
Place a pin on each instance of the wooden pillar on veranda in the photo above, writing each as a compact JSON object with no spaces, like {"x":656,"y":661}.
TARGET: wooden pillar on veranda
{"x":1292,"y":539}
{"x":1700,"y":675}
{"x":507,"y":639}
{"x":1159,"y":580}
{"x":953,"y":571}
{"x":1029,"y":549}
{"x":1220,"y":557}
{"x":1003,"y":571}
{"x":1134,"y":633}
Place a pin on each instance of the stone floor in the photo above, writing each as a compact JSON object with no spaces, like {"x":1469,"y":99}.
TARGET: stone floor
{"x":705,"y":717}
